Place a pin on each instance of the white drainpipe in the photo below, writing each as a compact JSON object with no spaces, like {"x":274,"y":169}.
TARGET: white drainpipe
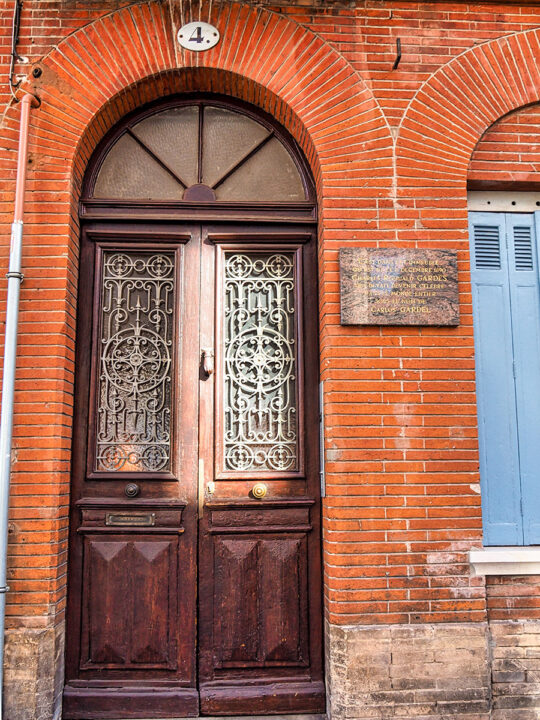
{"x":10,"y":358}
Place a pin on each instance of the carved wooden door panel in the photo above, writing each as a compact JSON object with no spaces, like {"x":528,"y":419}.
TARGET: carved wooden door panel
{"x":259,"y":557}
{"x":194,"y":581}
{"x":131,"y":626}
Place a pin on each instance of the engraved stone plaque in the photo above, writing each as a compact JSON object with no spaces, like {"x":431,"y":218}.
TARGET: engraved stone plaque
{"x":398,"y":286}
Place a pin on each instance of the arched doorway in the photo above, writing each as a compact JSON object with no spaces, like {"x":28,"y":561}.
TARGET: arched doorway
{"x":194,"y":580}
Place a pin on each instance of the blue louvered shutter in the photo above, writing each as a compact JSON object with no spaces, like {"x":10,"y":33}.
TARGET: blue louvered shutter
{"x":525,"y":307}
{"x":496,"y":399}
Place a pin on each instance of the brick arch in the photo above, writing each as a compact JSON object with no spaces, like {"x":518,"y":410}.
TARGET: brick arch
{"x":506,"y":157}
{"x":130,"y":56}
{"x":454,"y":107}
{"x":188,"y":81}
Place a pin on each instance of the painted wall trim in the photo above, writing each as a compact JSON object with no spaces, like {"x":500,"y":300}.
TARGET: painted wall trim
{"x":503,"y":201}
{"x":506,"y":561}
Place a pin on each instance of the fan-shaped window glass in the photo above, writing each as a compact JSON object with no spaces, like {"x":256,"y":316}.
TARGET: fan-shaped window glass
{"x":199,"y":152}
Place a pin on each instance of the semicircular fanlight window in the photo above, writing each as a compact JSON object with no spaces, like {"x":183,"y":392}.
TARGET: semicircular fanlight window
{"x":199,"y":152}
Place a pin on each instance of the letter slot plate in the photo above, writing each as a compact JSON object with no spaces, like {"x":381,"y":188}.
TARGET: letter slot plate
{"x":146,"y":520}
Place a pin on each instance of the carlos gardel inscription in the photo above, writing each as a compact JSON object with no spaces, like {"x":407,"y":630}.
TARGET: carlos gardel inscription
{"x":398,"y":287}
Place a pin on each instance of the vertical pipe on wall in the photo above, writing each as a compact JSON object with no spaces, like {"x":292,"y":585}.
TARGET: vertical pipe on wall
{"x":10,"y":358}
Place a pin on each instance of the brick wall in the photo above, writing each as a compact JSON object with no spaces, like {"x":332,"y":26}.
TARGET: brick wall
{"x":390,"y":153}
{"x":513,"y":598}
{"x":508,"y":155}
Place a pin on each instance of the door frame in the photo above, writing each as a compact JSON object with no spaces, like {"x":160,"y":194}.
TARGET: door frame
{"x":168,"y":222}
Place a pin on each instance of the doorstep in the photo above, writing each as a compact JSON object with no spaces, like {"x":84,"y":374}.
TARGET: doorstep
{"x":249,"y":717}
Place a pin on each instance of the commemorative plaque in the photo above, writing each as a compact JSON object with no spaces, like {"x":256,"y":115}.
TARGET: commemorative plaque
{"x":398,"y":286}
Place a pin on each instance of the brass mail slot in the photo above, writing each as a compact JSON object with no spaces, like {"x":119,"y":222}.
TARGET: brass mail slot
{"x":146,"y":520}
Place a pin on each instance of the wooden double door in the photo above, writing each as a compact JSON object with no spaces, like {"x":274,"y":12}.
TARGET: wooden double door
{"x":194,"y":567}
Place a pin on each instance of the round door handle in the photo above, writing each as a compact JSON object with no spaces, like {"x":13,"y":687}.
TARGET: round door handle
{"x":132,"y":490}
{"x":259,"y":490}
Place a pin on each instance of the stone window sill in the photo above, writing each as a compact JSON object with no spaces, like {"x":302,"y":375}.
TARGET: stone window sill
{"x":506,"y":561}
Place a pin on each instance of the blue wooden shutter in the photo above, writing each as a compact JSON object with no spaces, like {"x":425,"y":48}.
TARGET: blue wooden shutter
{"x":496,"y":399}
{"x":525,"y":306}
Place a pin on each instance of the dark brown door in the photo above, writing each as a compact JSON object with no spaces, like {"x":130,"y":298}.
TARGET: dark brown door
{"x":194,"y":583}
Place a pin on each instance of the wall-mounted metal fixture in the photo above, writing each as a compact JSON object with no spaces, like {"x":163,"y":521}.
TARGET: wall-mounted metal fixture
{"x":398,"y":53}
{"x":207,"y":361}
{"x":15,"y":277}
{"x":15,"y":57}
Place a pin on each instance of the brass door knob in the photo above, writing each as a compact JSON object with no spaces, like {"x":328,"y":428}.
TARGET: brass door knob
{"x":259,"y":490}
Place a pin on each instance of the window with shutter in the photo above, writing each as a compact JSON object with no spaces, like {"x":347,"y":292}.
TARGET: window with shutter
{"x":505,"y":290}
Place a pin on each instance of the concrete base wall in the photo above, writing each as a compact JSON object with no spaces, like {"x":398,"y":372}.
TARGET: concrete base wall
{"x":475,"y":671}
{"x":471,"y":671}
{"x":33,"y":674}
{"x":516,"y":670}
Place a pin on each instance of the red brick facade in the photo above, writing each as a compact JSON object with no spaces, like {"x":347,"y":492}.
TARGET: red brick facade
{"x":390,"y":151}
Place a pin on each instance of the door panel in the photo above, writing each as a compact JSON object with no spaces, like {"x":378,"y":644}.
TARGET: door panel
{"x":133,"y":536}
{"x":259,"y":555}
{"x":235,"y":574}
{"x":259,"y":419}
{"x":260,"y":601}
{"x":133,"y":633}
{"x":106,"y":566}
{"x":132,"y":389}
{"x":283,"y":591}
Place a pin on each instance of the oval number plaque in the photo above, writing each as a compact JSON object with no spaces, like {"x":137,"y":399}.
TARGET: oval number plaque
{"x":198,"y":36}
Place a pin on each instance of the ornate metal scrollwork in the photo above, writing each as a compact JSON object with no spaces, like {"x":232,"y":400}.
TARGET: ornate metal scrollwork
{"x":260,"y":362}
{"x":134,"y":385}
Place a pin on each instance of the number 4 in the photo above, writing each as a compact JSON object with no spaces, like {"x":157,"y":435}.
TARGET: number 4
{"x":197,"y":35}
